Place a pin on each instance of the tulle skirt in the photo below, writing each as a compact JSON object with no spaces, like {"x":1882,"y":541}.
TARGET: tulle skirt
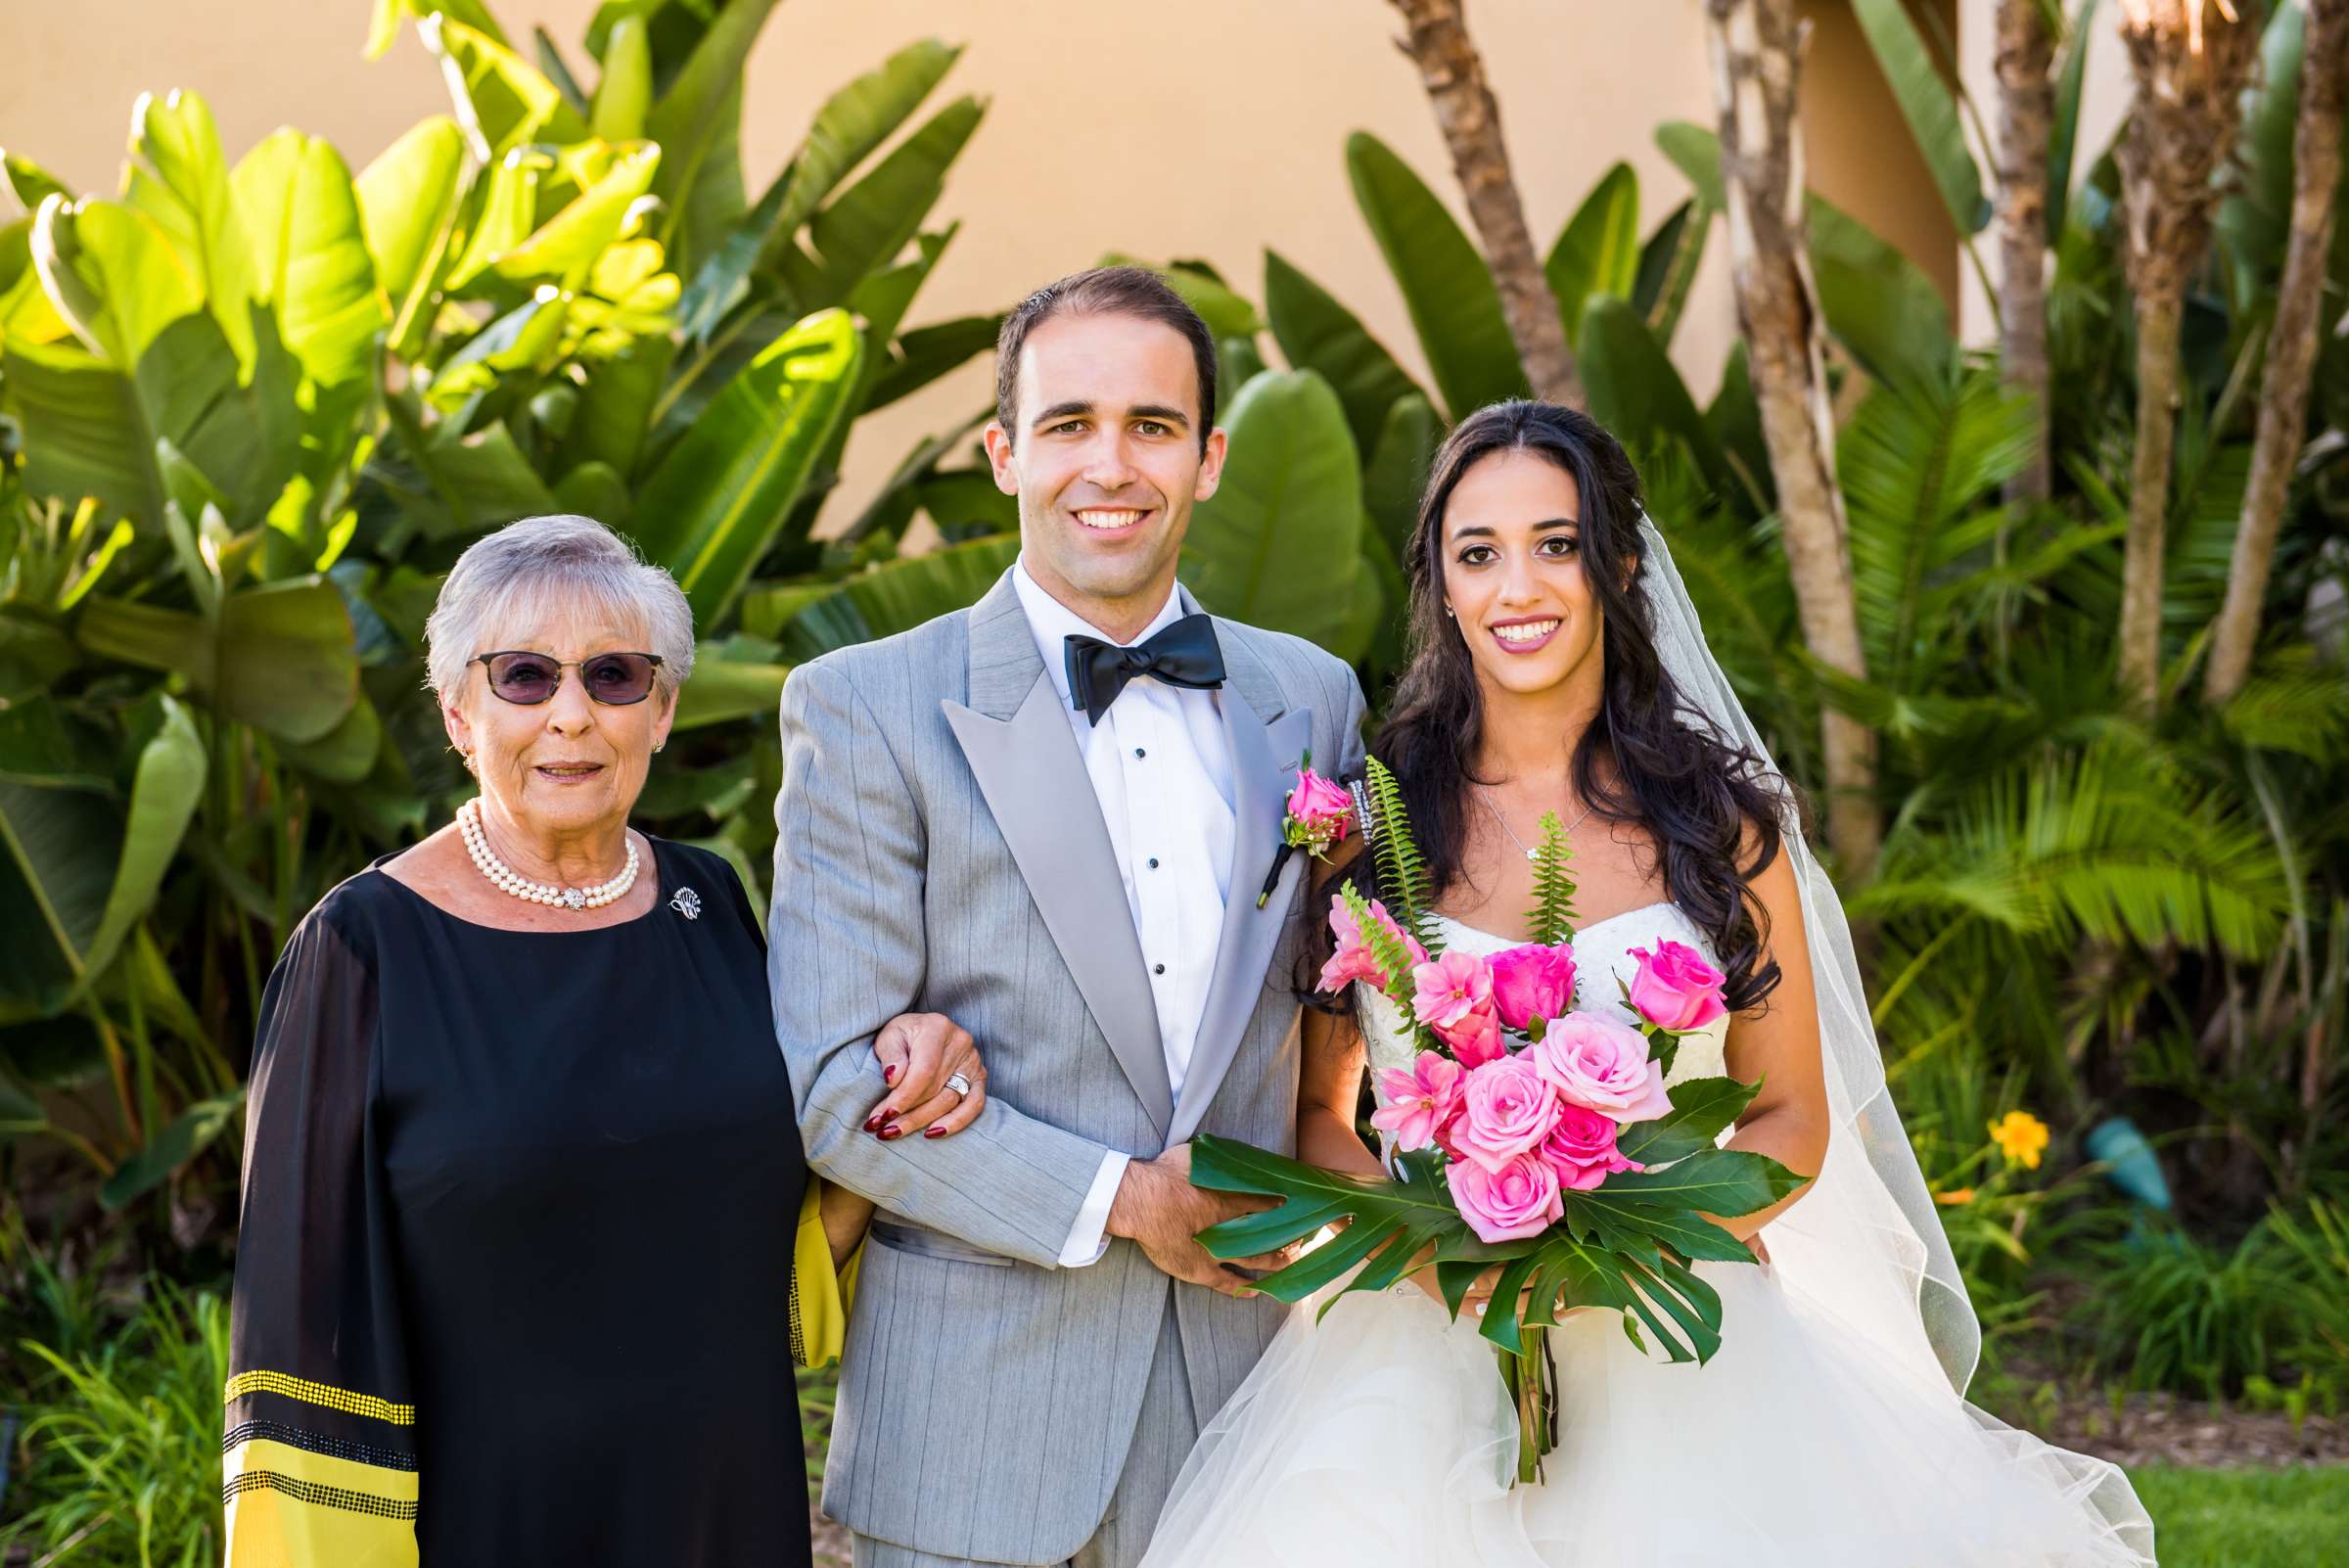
{"x":1382,"y":1435}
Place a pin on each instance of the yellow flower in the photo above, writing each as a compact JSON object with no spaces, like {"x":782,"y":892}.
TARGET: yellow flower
{"x":1954,"y":1197}
{"x":2021,"y":1137}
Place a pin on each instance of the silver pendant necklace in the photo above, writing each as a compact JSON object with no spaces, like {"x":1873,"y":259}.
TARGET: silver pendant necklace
{"x":1531,"y":851}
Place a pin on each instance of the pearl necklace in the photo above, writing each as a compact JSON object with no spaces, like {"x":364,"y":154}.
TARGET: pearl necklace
{"x":509,"y":879}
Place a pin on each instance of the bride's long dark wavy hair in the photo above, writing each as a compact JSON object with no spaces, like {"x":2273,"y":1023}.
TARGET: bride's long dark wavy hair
{"x":1648,"y":760}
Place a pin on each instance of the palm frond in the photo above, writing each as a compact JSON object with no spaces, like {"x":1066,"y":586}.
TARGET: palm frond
{"x":1553,"y":888}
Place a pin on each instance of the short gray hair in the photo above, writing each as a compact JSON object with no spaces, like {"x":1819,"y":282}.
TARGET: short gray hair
{"x":544,"y":565}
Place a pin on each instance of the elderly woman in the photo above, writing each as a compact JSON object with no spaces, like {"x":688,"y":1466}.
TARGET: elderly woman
{"x":527,"y":1245}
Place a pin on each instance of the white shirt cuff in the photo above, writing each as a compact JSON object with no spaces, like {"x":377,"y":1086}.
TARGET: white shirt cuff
{"x":1087,"y":1243}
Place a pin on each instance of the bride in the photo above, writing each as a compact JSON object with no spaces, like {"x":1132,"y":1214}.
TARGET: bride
{"x":1558,"y":667}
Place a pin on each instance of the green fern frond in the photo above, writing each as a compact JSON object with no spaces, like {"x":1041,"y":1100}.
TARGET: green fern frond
{"x":1402,"y":874}
{"x":1553,"y":888}
{"x":1394,"y":961}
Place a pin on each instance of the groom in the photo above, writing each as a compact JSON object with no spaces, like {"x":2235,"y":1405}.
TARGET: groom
{"x":1048,"y":817}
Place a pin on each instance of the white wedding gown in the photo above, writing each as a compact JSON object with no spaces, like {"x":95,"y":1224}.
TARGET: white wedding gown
{"x":1381,"y":1435}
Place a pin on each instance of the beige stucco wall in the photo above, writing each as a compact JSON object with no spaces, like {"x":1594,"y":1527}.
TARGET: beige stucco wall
{"x":1211,"y":129}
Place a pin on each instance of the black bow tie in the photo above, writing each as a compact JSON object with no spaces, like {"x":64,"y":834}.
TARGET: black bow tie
{"x":1184,"y":654}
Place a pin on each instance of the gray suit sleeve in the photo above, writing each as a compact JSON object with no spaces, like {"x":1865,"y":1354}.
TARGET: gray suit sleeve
{"x":1350,"y":736}
{"x":845,"y":954}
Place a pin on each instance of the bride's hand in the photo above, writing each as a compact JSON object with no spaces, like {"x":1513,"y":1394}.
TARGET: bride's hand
{"x":918,"y":1053}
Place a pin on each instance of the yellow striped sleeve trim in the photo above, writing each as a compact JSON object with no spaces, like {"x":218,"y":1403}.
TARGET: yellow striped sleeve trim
{"x":333,"y":1399}
{"x":820,"y":1298}
{"x":288,"y":1508}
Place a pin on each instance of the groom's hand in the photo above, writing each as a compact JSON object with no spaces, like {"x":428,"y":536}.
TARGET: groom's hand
{"x":1159,"y":1211}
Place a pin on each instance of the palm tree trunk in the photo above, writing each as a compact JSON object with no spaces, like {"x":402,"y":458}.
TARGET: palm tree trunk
{"x":2291,"y":345}
{"x":1756,"y":47}
{"x":1438,"y":43}
{"x":2026,"y":53}
{"x":2190,"y":63}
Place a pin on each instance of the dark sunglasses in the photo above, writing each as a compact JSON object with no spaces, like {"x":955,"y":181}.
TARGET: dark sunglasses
{"x":531,"y":679}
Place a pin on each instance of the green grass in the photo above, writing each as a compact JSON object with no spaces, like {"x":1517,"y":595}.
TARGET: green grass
{"x":2291,"y":1518}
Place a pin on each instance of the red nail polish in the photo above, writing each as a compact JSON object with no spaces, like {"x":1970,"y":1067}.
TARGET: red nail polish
{"x":872,"y":1122}
{"x":889,"y":1075}
{"x":893,"y":1130}
{"x":934,"y":1131}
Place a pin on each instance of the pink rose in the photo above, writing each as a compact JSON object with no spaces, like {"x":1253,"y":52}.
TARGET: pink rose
{"x":1603,"y":1066}
{"x":1325,"y":809}
{"x":1518,"y":1200}
{"x":1507,"y":1109}
{"x":1532,"y":981}
{"x":1354,"y":959}
{"x":1454,"y":996}
{"x":1474,"y":1039}
{"x":1421,"y":1102}
{"x":1582,"y":1150}
{"x":1675,"y":989}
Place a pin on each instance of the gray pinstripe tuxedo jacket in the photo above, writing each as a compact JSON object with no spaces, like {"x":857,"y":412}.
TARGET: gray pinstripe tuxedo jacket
{"x":940,"y":848}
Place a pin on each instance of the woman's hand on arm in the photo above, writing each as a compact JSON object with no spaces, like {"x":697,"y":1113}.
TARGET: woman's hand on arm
{"x":918,"y":1053}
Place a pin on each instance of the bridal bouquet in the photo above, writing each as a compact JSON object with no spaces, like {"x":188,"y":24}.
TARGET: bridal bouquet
{"x":1527,"y":1136}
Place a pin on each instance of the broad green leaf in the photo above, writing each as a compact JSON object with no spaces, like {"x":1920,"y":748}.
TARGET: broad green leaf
{"x":1722,"y":1181}
{"x":113,"y":272}
{"x":1633,"y":385}
{"x":1316,"y":333}
{"x":509,"y":211}
{"x":1701,"y":1108}
{"x":851,"y":125}
{"x":473,"y":482}
{"x":698,"y":123}
{"x":164,"y":794}
{"x":723,"y":689}
{"x":726,"y":489}
{"x":883,"y":298}
{"x":921,"y":357}
{"x":1929,"y":105}
{"x":180,"y":178}
{"x":499,"y":98}
{"x":2065,"y":134}
{"x":280,"y":656}
{"x":1280,"y":545}
{"x":867,"y":225}
{"x":897,"y":596}
{"x":175,"y":1146}
{"x":346,"y":754}
{"x":624,"y":95}
{"x":593,"y":489}
{"x":1878,"y":304}
{"x":1397,"y":471}
{"x":1695,"y":151}
{"x":82,"y":425}
{"x":1453,"y":306}
{"x":1599,"y":250}
{"x":59,"y":844}
{"x":310,"y":254}
{"x":408,"y":202}
{"x":1667,"y":264}
{"x":616,"y":407}
{"x":566,"y":245}
{"x":31,"y":183}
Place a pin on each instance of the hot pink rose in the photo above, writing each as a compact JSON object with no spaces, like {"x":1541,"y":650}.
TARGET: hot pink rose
{"x":1455,"y":998}
{"x":1323,"y":808}
{"x":1520,"y":1199}
{"x":1675,"y":988}
{"x":1532,"y":981}
{"x":1603,"y":1066}
{"x":1421,"y":1102}
{"x":1354,"y":959}
{"x":1582,"y":1150}
{"x":1505,"y":1109}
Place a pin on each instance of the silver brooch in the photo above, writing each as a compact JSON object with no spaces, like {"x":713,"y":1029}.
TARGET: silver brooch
{"x":687,"y":903}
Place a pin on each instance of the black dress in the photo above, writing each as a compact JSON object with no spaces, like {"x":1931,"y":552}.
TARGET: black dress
{"x":514,"y":1270}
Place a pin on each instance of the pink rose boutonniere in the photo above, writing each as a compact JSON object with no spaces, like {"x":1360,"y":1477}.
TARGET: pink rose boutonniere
{"x":1320,"y":815}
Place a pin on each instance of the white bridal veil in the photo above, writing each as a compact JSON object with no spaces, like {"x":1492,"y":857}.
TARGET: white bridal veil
{"x":1865,"y":1243}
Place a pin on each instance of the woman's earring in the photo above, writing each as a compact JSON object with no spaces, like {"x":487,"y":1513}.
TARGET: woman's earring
{"x":1450,"y":610}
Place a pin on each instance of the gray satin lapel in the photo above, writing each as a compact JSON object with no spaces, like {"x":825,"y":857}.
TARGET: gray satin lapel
{"x":1029,"y":769}
{"x":1265,"y":759}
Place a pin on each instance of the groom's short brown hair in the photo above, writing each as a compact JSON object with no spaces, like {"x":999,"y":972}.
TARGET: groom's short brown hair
{"x":1103,"y":291}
